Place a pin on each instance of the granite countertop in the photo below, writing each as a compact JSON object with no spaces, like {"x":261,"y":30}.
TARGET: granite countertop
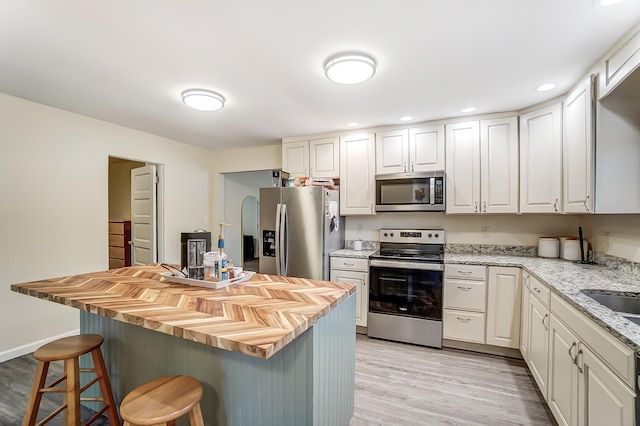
{"x":567,"y":279}
{"x":358,"y":254}
{"x":257,"y":317}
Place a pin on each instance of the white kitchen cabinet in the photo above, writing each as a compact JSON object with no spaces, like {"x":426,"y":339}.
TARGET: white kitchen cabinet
{"x":541,"y":160}
{"x":315,"y":158}
{"x":414,"y":150}
{"x":354,"y":271}
{"x":538,"y":338}
{"x":295,"y":158}
{"x":357,"y":175}
{"x":591,"y":374}
{"x":620,"y":62}
{"x":463,"y":167}
{"x":482,"y":166}
{"x":464,"y":303}
{"x":503,"y":307}
{"x":524,"y":323}
{"x":499,"y":165}
{"x":578,"y":149}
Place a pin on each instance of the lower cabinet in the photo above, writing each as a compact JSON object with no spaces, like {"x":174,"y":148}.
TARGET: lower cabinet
{"x":465,"y":289}
{"x":354,"y":271}
{"x":535,"y":328}
{"x":582,"y":389}
{"x":503,"y":307}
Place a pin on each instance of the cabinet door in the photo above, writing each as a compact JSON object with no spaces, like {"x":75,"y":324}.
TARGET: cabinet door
{"x":540,"y":160}
{"x":392,"y":152}
{"x":578,"y":147}
{"x":622,"y":60}
{"x":499,"y":165}
{"x":524,"y":325}
{"x":295,"y":158}
{"x":463,"y":167}
{"x":360,"y":280}
{"x":563,"y":374}
{"x":539,"y":343}
{"x":603,"y":399}
{"x":426,"y":149}
{"x":324,"y":158}
{"x":357,"y":175}
{"x":503,"y":307}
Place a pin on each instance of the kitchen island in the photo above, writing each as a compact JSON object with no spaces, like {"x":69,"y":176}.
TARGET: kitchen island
{"x":271,"y":350}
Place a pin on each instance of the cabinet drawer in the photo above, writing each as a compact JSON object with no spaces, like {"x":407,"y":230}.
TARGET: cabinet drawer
{"x":620,"y":358}
{"x":117,"y":240}
{"x":116,"y":263}
{"x":471,"y":272}
{"x":117,"y":252}
{"x":540,"y":290}
{"x":116,"y":228}
{"x":465,"y":326}
{"x":464,"y":294}
{"x":350,"y":263}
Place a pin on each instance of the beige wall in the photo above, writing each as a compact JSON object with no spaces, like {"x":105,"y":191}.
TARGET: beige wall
{"x":54,"y":214}
{"x":120,"y":188}
{"x":617,"y":235}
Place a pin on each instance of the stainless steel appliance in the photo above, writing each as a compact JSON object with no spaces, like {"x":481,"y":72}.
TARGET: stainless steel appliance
{"x":419,"y":191}
{"x":299,"y":227}
{"x":405,"y":291}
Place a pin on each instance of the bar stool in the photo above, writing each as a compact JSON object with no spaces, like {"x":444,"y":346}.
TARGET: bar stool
{"x":69,"y":350}
{"x":163,"y":401}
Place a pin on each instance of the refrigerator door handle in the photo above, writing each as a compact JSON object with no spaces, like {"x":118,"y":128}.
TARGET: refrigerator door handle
{"x":278,"y":233}
{"x":284,"y":247}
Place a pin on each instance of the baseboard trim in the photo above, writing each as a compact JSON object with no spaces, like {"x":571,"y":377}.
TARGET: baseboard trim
{"x":31,"y":347}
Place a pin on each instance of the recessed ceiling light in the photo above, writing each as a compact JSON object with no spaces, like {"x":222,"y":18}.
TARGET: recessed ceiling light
{"x":349,"y":68}
{"x":545,"y":87}
{"x":352,"y":124}
{"x":609,"y":2}
{"x":468,"y":109}
{"x":203,"y":100}
{"x":406,"y":118}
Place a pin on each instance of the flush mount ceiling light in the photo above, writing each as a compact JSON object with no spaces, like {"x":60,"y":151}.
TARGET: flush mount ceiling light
{"x":349,"y":68}
{"x":406,"y":118}
{"x":545,"y":87}
{"x":468,"y":109}
{"x":203,"y":100}
{"x":352,"y":124}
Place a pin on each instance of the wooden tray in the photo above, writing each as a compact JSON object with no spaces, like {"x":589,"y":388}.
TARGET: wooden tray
{"x":246,"y":276}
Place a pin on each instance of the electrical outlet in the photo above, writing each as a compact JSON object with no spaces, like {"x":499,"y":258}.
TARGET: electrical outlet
{"x":486,"y":232}
{"x":206,"y":220}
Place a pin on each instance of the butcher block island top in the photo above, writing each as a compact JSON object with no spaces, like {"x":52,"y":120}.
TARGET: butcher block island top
{"x":257,"y":317}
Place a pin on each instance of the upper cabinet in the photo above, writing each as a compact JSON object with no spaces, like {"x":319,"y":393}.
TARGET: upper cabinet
{"x":622,"y":60}
{"x":357,"y":175}
{"x":315,"y":158}
{"x":541,"y":160}
{"x":482,"y":166}
{"x":578,"y":149}
{"x":414,"y":150}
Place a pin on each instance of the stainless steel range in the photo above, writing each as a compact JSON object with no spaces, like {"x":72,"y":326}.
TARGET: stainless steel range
{"x":405,"y":292}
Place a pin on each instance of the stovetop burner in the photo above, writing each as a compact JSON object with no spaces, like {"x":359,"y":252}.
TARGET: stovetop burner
{"x":424,"y":245}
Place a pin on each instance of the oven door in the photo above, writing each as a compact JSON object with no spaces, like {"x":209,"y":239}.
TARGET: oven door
{"x":410,"y":289}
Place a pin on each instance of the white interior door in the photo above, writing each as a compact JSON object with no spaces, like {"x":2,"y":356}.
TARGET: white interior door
{"x":143,"y":215}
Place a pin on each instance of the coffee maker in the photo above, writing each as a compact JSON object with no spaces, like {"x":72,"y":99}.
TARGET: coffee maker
{"x":193,"y":246}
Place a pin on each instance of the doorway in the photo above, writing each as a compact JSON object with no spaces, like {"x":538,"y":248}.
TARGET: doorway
{"x":148,"y":245}
{"x":250,"y":230}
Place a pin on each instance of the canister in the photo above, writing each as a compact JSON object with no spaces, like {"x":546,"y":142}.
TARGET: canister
{"x":548,"y":247}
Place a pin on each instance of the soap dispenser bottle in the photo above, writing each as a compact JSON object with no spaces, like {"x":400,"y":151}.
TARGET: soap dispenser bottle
{"x":223,"y":256}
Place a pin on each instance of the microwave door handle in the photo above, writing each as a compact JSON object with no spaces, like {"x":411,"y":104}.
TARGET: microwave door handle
{"x":278,"y":232}
{"x":432,"y":190}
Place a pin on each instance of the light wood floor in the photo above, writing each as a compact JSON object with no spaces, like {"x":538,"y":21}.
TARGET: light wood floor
{"x":396,"y":384}
{"x":401,"y":384}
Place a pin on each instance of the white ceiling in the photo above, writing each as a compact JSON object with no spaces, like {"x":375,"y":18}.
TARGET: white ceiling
{"x":127,"y":61}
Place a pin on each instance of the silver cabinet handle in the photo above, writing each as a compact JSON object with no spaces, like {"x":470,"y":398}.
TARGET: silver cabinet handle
{"x":463,"y":319}
{"x":543,"y":324}
{"x":580,"y":354}
{"x":371,"y":206}
{"x":464,"y":288}
{"x":573,"y":345}
{"x":412,"y":165}
{"x":464,"y":272}
{"x":536,"y":289}
{"x":555,"y":205}
{"x":586,"y":206}
{"x":347,"y":264}
{"x":484,"y":208}
{"x":475,"y":208}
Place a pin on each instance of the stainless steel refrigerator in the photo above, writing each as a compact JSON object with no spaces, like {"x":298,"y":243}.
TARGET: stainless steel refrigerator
{"x":299,"y":227}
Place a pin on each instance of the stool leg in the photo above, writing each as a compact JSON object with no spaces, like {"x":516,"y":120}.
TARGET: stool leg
{"x":105,"y":387}
{"x":72,"y":395}
{"x":33,"y":405}
{"x":195,"y":416}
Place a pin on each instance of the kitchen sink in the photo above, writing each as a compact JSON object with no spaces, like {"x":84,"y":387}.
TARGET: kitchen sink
{"x":626,"y":306}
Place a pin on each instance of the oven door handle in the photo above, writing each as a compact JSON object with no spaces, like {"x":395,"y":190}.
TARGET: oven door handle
{"x":407,"y":265}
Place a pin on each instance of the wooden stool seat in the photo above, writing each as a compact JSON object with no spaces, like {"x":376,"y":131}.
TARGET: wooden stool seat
{"x":163,"y":400}
{"x":69,"y":350}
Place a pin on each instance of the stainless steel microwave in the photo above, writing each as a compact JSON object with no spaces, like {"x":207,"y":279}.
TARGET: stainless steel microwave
{"x":418,"y":191}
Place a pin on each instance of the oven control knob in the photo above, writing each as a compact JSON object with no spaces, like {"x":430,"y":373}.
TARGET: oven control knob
{"x":392,"y":234}
{"x":386,"y":235}
{"x":430,"y":235}
{"x":437,"y":235}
